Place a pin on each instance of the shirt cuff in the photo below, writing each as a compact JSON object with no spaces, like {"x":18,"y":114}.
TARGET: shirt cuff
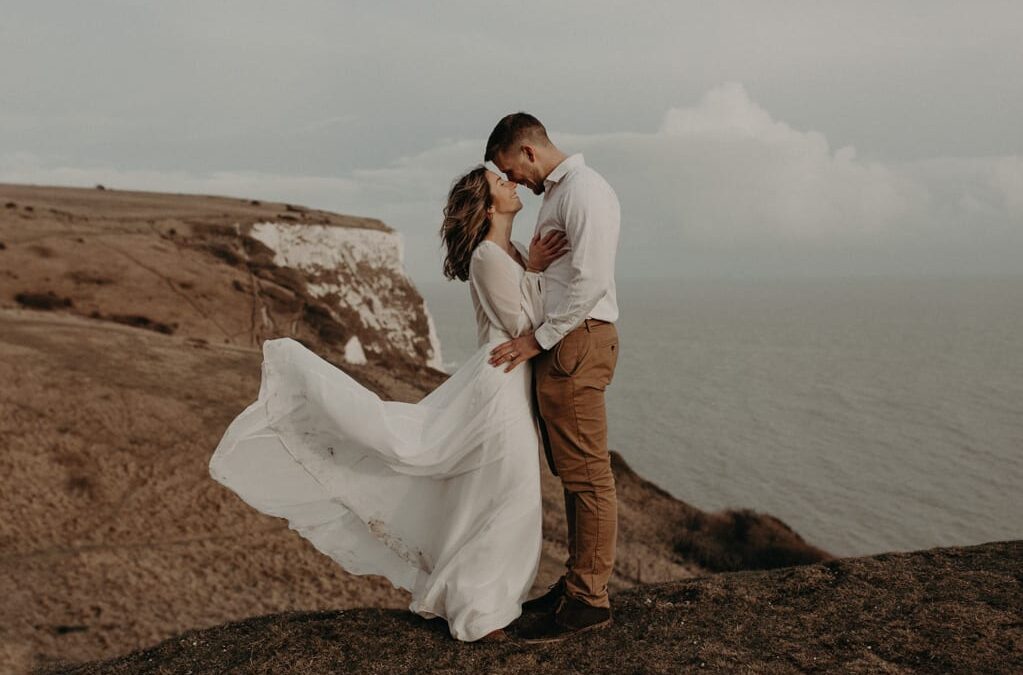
{"x":546,"y":336}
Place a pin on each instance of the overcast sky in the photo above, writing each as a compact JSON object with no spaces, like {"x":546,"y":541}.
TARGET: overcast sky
{"x":743,"y":139}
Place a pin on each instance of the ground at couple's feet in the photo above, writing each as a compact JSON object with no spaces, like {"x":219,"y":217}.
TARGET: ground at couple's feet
{"x":934,"y":611}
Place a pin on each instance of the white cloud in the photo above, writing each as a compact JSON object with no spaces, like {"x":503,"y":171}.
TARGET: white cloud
{"x":724,"y":170}
{"x":720,"y":188}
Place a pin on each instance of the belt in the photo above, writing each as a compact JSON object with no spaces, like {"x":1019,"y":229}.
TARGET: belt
{"x":590,"y":323}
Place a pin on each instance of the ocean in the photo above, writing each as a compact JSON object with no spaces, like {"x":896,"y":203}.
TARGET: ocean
{"x":870,"y":414}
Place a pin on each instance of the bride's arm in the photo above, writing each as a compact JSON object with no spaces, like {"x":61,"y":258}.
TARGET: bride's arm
{"x":515,"y":304}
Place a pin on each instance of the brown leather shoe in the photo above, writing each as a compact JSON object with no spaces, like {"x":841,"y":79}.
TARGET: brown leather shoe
{"x":572,"y":617}
{"x":548,"y":601}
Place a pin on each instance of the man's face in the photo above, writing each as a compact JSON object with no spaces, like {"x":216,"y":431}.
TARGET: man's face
{"x":521,"y":167}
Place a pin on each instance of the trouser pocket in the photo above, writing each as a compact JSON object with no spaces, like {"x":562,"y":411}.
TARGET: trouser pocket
{"x":570,"y":352}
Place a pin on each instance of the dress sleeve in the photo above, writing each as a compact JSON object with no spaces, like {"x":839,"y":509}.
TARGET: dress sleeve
{"x":512,"y":300}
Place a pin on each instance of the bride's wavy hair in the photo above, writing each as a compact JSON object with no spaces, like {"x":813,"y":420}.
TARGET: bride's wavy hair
{"x":465,"y":221}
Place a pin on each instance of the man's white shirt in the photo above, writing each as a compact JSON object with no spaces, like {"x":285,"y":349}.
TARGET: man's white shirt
{"x":580,"y":284}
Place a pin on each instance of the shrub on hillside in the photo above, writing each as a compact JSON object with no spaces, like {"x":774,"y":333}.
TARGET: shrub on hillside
{"x":743,"y":540}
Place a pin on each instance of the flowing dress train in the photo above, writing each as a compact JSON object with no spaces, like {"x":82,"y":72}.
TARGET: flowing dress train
{"x":441,"y":497}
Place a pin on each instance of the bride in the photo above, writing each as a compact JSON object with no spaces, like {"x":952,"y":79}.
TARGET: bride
{"x":441,"y":497}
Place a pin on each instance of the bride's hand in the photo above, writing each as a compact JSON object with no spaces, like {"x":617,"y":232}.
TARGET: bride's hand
{"x":542,"y":252}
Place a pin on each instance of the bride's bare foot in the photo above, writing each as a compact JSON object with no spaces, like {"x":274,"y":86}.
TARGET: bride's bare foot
{"x":496,"y":635}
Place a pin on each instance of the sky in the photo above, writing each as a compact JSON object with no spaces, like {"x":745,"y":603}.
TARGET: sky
{"x":744,"y":139}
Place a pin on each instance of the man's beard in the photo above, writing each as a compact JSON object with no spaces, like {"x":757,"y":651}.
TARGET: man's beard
{"x":539,"y":189}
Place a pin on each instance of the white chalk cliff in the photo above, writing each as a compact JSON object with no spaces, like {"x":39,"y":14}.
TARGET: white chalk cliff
{"x":359,"y":273}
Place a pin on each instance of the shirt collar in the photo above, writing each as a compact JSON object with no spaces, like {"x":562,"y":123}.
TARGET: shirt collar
{"x":567,"y":164}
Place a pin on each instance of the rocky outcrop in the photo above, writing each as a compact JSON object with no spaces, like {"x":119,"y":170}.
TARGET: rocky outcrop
{"x":130,"y":332}
{"x":944,"y":610}
{"x":362,"y":271}
{"x":230,"y":271}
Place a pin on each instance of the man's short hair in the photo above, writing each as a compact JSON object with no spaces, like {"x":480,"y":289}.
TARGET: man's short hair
{"x":513,"y":129}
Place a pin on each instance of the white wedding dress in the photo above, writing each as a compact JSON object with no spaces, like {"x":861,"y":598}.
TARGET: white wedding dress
{"x":442,"y":497}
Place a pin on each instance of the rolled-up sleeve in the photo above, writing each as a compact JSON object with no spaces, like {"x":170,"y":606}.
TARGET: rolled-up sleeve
{"x":592,"y":218}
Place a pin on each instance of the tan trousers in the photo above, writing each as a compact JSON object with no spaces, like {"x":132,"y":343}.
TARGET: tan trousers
{"x":569,"y":382}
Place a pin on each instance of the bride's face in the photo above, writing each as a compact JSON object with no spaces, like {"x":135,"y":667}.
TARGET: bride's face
{"x":503,"y":195}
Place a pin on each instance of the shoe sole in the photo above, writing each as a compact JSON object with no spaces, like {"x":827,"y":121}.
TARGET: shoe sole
{"x":565,"y":636}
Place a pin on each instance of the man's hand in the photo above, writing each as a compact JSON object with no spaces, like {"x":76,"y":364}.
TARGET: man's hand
{"x":515,"y":352}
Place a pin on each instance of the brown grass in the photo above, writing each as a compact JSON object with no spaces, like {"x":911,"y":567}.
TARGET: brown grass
{"x":88,"y":277}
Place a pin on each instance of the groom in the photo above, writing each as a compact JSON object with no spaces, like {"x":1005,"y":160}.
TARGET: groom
{"x":575,"y":350}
